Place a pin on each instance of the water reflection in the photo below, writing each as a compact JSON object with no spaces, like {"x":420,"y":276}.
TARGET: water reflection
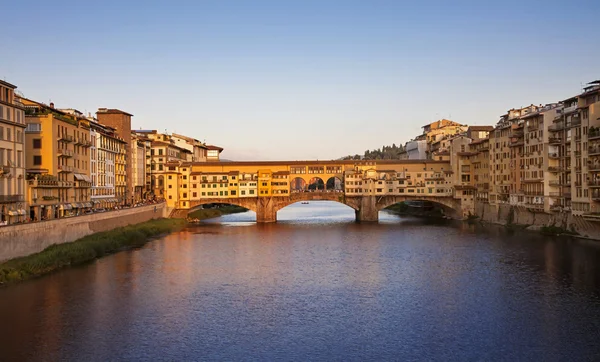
{"x":317,"y":285}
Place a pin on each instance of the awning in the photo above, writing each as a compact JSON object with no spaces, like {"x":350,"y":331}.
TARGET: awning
{"x":81,"y":177}
{"x":13,"y":213}
{"x":21,"y":212}
{"x":74,"y":205}
{"x":89,"y":204}
{"x":66,"y":207}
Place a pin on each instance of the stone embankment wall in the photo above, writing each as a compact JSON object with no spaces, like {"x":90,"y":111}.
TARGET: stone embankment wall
{"x":26,"y":239}
{"x":515,"y":215}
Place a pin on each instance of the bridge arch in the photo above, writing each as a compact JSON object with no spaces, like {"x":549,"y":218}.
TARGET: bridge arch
{"x":316,"y":183}
{"x":449,"y":205}
{"x":334,"y":183}
{"x":197,"y":204}
{"x":298,"y":184}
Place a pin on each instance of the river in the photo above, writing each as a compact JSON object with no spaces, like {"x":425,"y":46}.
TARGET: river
{"x":317,"y":286}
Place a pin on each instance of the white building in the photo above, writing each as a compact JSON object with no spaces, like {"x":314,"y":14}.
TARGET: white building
{"x":416,"y":150}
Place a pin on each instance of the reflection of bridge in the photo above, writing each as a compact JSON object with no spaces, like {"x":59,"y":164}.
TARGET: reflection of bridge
{"x":267,"y":187}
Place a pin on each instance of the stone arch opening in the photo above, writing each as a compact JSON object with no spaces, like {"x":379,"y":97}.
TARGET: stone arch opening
{"x":316,"y":184}
{"x":424,"y":206}
{"x":298,"y":184}
{"x":334,"y":184}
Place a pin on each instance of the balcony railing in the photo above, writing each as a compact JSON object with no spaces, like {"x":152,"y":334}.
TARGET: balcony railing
{"x":554,"y":140}
{"x":43,"y":183}
{"x":533,"y":193}
{"x":556,"y":127}
{"x":65,"y":153}
{"x":594,"y":134}
{"x":556,"y":169}
{"x":594,"y":167}
{"x":63,"y":168}
{"x":11,"y":198}
{"x":65,"y":138}
{"x":593,"y":151}
{"x":594,"y":183}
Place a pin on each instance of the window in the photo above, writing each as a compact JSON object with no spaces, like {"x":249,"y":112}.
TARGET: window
{"x":37,"y":160}
{"x":185,"y":195}
{"x":170,"y":177}
{"x":194,"y":194}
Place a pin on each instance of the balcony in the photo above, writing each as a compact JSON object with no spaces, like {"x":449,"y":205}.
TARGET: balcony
{"x":577,"y":137}
{"x":50,"y":183}
{"x":557,"y":183}
{"x":65,"y":138}
{"x":517,"y":134}
{"x":594,"y":183}
{"x":594,"y":167}
{"x":85,"y":143}
{"x":11,"y":198}
{"x":516,"y":143}
{"x":533,"y":193}
{"x":63,"y":168}
{"x":554,"y":140}
{"x":533,"y":180}
{"x":556,"y":127}
{"x":534,"y":206}
{"x":65,"y":153}
{"x":594,"y":134}
{"x":555,"y":169}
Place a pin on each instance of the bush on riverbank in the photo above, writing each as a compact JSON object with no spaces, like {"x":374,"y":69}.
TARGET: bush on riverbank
{"x":88,"y":248}
{"x":211,"y":213}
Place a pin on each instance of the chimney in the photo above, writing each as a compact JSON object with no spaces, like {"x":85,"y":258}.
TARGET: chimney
{"x":51,"y":104}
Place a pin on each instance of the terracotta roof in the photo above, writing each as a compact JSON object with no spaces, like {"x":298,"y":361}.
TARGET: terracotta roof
{"x":480,"y":128}
{"x":6,"y":84}
{"x":112,"y":111}
{"x":211,"y":147}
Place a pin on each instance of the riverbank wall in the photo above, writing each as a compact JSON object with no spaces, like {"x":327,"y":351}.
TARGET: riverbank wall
{"x":26,"y":239}
{"x":511,"y":215}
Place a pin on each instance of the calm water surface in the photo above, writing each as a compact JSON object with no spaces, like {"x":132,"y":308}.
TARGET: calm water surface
{"x":316,"y":286}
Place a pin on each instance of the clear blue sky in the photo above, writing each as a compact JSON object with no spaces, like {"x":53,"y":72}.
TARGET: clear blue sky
{"x":299,"y":79}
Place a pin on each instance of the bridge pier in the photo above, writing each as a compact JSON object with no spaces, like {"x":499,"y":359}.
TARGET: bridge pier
{"x":367,"y":212}
{"x":266,"y":210}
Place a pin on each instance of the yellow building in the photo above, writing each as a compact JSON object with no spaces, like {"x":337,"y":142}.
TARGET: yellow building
{"x":162,"y":150}
{"x":57,"y":145}
{"x":12,"y":162}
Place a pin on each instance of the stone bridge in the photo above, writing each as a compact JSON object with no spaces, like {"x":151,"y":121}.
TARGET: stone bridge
{"x":366,"y":207}
{"x":265,"y":187}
